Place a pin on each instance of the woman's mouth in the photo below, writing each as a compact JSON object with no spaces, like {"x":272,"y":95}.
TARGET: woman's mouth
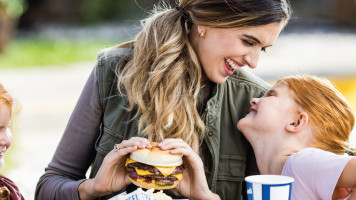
{"x":228,"y":68}
{"x":232,"y":64}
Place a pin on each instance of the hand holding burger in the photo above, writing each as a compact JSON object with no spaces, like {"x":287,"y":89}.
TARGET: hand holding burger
{"x":154,"y":168}
{"x":160,"y":167}
{"x":112,"y":176}
{"x":193,"y":184}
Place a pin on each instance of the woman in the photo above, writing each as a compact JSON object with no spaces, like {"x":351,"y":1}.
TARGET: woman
{"x":8,"y":189}
{"x":180,"y":78}
{"x":301,"y":128}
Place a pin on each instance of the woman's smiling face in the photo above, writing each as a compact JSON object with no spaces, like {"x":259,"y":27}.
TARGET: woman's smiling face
{"x":223,"y":50}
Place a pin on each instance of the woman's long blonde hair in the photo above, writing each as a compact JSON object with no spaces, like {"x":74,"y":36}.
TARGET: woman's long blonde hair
{"x":330,"y":116}
{"x":163,"y":77}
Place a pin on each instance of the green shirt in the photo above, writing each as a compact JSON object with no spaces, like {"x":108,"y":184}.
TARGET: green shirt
{"x":227,"y":148}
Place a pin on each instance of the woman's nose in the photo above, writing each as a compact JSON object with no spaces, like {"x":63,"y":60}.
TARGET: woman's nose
{"x":252,"y":58}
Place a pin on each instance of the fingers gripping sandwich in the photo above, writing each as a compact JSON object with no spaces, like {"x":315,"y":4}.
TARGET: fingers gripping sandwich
{"x":154,"y":168}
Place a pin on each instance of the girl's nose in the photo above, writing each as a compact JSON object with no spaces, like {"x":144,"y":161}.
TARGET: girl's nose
{"x":254,"y":101}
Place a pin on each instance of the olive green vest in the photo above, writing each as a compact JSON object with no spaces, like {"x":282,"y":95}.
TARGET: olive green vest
{"x":229,"y":103}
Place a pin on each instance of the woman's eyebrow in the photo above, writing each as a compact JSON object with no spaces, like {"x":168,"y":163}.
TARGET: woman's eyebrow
{"x":252,"y":38}
{"x":255,"y":39}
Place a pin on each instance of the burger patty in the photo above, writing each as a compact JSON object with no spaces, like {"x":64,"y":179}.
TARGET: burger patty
{"x":157,"y":177}
{"x":131,"y":168}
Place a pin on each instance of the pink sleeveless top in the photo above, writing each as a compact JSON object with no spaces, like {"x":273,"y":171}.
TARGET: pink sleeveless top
{"x":316,"y":173}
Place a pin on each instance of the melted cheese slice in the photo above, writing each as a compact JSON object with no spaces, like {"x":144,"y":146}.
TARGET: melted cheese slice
{"x":140,"y":180}
{"x":143,"y":172}
{"x":129,"y":160}
{"x":178,"y":176}
{"x":166,"y":171}
{"x":138,"y":171}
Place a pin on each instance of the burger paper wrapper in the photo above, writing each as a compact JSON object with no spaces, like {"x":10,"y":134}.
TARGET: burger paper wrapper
{"x":138,"y":194}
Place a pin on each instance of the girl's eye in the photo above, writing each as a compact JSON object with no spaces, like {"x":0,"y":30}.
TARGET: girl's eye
{"x":247,"y":43}
{"x":263,"y":49}
{"x":270,"y":93}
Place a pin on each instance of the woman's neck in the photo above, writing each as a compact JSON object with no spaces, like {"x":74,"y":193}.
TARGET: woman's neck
{"x":205,"y":94}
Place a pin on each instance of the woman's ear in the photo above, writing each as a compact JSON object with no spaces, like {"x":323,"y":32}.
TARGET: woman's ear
{"x":201,"y":30}
{"x":298,"y":123}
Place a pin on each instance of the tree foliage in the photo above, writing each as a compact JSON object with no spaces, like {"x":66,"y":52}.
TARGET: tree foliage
{"x":110,"y":10}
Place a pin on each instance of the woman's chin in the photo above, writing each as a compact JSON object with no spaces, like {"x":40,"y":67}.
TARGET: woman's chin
{"x":219,"y":80}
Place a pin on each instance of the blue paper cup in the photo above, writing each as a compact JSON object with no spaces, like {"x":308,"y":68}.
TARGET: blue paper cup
{"x":269,"y":187}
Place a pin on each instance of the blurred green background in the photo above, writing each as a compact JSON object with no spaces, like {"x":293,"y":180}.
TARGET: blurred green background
{"x":48,"y":49}
{"x":20,"y":20}
{"x":18,"y":29}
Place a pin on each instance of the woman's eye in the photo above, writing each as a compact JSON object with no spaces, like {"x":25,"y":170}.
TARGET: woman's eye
{"x":263,"y":49}
{"x":246,"y":42}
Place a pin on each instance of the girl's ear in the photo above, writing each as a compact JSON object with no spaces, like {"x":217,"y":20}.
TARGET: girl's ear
{"x":299,"y":122}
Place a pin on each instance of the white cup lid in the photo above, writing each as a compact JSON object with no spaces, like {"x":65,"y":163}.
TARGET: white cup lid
{"x":269,"y":179}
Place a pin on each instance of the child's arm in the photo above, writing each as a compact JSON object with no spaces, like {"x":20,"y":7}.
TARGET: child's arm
{"x":348,"y":178}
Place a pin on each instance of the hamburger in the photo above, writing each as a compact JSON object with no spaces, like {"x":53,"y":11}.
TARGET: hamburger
{"x":154,"y":168}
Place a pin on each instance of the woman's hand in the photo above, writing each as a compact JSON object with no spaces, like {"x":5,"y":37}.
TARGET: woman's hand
{"x":193,"y":184}
{"x":112,"y":175}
